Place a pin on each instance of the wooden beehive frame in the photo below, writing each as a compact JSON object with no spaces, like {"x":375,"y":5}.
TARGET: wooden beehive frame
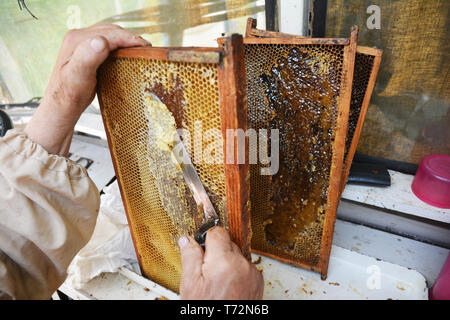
{"x":252,"y":32}
{"x":256,"y":36}
{"x":228,"y":59}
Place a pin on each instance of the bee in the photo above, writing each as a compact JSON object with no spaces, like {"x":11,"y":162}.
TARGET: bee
{"x":23,"y":5}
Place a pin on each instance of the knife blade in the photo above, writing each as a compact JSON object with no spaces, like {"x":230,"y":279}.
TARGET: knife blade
{"x":194,"y":183}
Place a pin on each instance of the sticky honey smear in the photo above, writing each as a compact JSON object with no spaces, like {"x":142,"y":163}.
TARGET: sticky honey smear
{"x":182,"y":97}
{"x":169,"y":180}
{"x":293,"y":89}
{"x":161,"y":122}
{"x":174,"y":198}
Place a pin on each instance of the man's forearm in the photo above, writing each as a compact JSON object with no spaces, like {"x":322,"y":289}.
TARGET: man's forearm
{"x":53,"y":131}
{"x":48,"y":209}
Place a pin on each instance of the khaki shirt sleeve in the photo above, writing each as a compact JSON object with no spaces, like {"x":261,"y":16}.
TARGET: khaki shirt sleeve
{"x":48,"y":210}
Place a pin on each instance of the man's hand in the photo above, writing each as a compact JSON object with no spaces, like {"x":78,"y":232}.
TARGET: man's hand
{"x":220,"y":273}
{"x":72,"y":84}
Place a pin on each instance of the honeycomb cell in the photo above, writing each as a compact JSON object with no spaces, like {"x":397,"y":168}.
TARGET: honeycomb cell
{"x":361,"y":76}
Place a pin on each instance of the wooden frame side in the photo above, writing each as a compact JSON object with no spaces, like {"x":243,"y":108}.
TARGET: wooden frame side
{"x":233,"y":102}
{"x":369,"y":51}
{"x":294,"y":40}
{"x":338,"y":152}
{"x":177,"y":54}
{"x":362,"y":115}
{"x":252,"y":32}
{"x":291,"y":262}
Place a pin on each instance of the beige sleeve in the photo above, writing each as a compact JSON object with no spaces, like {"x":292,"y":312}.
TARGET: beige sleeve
{"x":48,"y":209}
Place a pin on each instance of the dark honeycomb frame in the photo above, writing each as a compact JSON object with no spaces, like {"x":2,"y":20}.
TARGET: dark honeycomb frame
{"x":336,"y":175}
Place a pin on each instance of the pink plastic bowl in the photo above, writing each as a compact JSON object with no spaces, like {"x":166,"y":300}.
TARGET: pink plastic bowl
{"x":431,"y":183}
{"x":441,"y":288}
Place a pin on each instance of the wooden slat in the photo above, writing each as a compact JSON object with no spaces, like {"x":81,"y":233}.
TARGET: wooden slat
{"x":184,"y":54}
{"x":288,"y":261}
{"x":232,"y":93}
{"x":369,"y":51}
{"x":280,"y":40}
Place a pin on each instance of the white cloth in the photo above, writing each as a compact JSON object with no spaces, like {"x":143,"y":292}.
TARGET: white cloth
{"x":111,"y":245}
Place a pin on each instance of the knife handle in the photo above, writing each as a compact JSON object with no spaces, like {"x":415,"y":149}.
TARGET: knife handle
{"x":200,"y":234}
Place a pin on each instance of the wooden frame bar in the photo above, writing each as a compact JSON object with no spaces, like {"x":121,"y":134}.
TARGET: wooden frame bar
{"x":185,"y":54}
{"x":338,"y":153}
{"x":370,"y":51}
{"x":234,"y":116}
{"x":303,"y":41}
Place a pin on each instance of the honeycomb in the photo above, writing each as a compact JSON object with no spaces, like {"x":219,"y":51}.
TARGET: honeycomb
{"x":362,"y":72}
{"x":364,"y":68}
{"x":160,"y":207}
{"x":295,"y":89}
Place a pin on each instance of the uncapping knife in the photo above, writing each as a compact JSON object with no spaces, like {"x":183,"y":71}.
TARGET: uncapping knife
{"x":192,"y":179}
